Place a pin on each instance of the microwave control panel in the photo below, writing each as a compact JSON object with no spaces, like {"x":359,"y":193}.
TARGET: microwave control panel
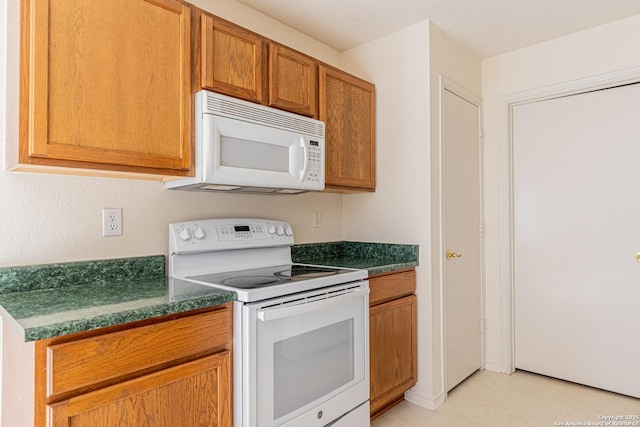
{"x":315,"y":161}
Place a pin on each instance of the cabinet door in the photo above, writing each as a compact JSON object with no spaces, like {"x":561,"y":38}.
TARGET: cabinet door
{"x":194,"y":394}
{"x":232,"y":60}
{"x":392,"y":328}
{"x":347,"y":106}
{"x":292,"y":81}
{"x":109,"y":85}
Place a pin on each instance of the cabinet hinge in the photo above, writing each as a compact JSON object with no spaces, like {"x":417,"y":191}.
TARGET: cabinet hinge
{"x":480,"y":136}
{"x":481,"y":230}
{"x":482,"y":325}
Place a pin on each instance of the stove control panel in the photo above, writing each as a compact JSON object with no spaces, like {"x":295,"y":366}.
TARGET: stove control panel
{"x":228,"y":234}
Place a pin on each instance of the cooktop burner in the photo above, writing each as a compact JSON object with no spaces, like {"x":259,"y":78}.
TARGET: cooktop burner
{"x":251,"y":282}
{"x":305,"y":272}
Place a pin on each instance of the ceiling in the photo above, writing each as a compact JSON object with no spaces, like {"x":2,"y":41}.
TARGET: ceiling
{"x":485,"y":27}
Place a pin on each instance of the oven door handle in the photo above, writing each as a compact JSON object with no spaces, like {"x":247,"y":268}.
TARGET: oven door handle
{"x":299,"y":307}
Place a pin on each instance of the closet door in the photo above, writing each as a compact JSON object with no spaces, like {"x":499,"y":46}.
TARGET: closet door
{"x":462,"y":242}
{"x":577,"y":238}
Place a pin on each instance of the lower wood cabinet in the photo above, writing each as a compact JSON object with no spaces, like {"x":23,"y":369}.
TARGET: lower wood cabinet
{"x":392,"y":345}
{"x":190,"y":395}
{"x":173,"y":372}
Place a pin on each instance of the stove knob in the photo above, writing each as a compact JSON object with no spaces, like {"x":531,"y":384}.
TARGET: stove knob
{"x":199,"y":233}
{"x":272,"y":229}
{"x":288,"y":231}
{"x":280,"y":230}
{"x":185,"y":234}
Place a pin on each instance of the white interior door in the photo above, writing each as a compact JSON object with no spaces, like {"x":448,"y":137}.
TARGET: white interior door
{"x":462,"y":218}
{"x":576,"y":232}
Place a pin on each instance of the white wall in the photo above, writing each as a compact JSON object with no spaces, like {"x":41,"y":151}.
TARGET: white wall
{"x":399,"y":209}
{"x":55,"y":218}
{"x":601,"y":50}
{"x":405,"y":67}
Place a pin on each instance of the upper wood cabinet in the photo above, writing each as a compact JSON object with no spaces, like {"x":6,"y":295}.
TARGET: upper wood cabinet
{"x":293,"y":80}
{"x":106,"y":85}
{"x":237,"y":62}
{"x":347,"y":106}
{"x":231,"y":59}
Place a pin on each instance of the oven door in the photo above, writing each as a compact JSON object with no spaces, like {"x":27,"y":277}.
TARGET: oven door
{"x":310,"y":365}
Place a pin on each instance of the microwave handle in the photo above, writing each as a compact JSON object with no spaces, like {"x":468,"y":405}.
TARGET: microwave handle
{"x":305,"y":307}
{"x":305,"y":159}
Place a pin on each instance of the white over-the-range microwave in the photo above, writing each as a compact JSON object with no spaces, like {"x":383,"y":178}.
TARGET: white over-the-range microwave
{"x":242,"y":147}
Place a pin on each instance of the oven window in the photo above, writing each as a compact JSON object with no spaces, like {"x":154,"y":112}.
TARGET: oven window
{"x":309,"y":366}
{"x":246,"y":154}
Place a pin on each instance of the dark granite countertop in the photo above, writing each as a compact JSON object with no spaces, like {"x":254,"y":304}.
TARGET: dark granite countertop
{"x":49,"y":300}
{"x":376,"y":258}
{"x":44,"y":301}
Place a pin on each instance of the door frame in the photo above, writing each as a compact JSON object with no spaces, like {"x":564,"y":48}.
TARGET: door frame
{"x":506,"y":220}
{"x":438,"y":259}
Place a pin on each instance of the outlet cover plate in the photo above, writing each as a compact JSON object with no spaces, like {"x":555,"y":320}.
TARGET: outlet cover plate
{"x":111,"y":222}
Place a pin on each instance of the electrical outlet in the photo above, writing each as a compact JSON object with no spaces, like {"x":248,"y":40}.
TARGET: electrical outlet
{"x":111,"y":222}
{"x":316,"y":221}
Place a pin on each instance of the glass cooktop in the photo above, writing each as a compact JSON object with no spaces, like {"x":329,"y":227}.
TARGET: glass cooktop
{"x":269,"y":276}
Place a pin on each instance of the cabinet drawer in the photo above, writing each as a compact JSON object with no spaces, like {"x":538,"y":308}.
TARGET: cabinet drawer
{"x":391,"y":286}
{"x":113,"y":356}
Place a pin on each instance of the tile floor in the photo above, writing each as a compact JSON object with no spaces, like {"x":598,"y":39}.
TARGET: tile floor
{"x":522,"y":399}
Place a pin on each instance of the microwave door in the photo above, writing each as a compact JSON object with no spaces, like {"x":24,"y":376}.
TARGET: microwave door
{"x":244,"y":153}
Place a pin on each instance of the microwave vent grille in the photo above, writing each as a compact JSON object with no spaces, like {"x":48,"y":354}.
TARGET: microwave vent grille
{"x":243,"y":110}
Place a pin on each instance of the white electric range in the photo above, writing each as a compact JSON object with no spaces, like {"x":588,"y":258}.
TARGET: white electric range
{"x":301,"y":350}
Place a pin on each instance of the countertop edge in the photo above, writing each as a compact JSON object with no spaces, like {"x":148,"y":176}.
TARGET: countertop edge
{"x":106,"y":320}
{"x":389,"y":268}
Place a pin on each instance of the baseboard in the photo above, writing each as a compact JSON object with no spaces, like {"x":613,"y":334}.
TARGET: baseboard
{"x":496,"y":368}
{"x":417,"y":399}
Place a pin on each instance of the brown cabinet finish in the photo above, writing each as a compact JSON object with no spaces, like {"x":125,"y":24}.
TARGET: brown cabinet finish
{"x":173,"y":371}
{"x":293,"y":81}
{"x":391,"y":286}
{"x":231,"y":59}
{"x":393,"y":339}
{"x":94,"y":360}
{"x":110,"y":89}
{"x":106,"y":85}
{"x":347,"y":106}
{"x":240,"y":63}
{"x":189,"y":395}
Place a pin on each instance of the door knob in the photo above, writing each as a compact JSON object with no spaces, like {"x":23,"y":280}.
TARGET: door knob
{"x":452,"y":254}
